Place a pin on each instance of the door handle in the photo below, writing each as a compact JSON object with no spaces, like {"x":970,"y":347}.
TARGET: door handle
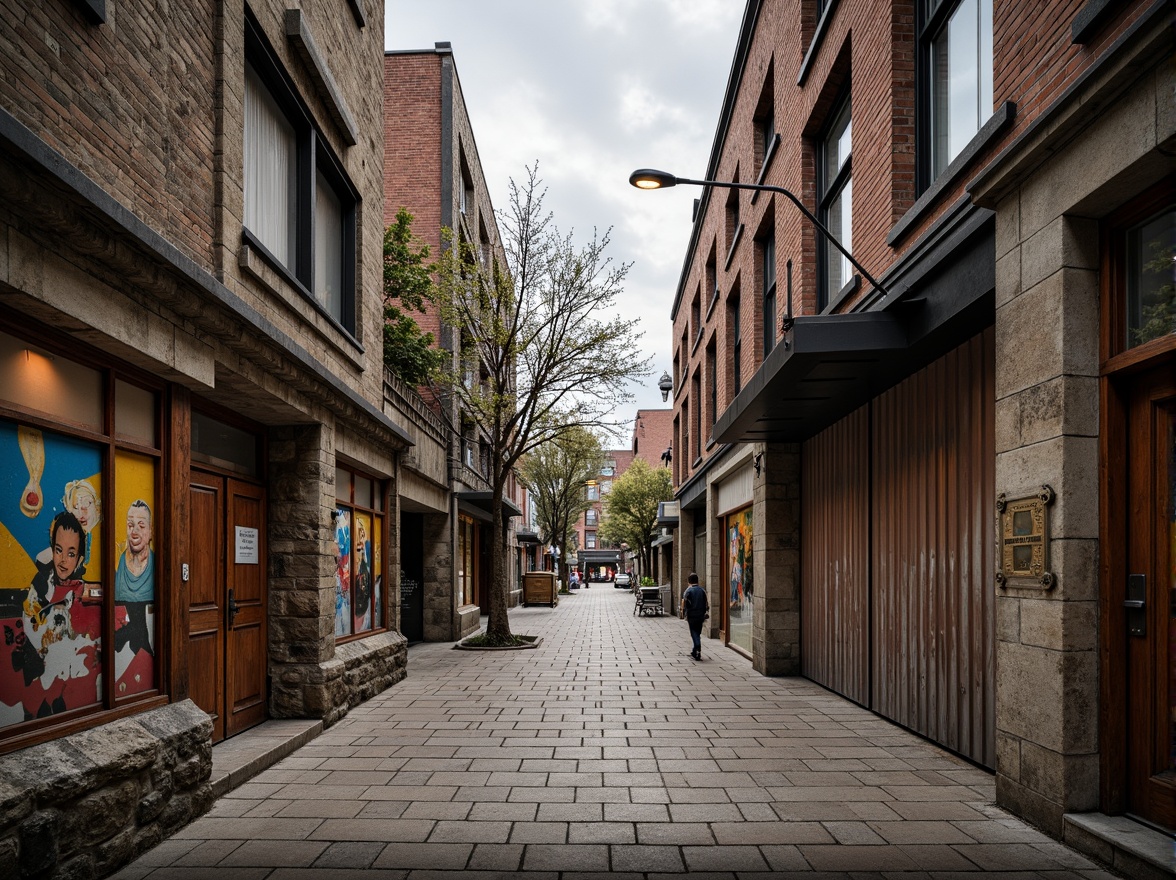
{"x":1136,"y":605}
{"x":233,"y":608}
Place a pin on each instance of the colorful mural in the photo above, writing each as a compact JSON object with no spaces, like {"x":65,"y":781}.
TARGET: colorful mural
{"x":134,"y":576}
{"x":362,"y":567}
{"x":50,"y":566}
{"x":740,"y":580}
{"x":343,"y":573}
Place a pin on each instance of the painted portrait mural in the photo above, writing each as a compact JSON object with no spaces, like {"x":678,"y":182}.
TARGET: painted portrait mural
{"x":134,"y":575}
{"x":343,"y":573}
{"x":740,"y":578}
{"x":50,"y":574}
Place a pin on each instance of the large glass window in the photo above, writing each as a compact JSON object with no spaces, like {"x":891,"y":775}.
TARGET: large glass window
{"x":769,"y":270}
{"x":957,"y":47}
{"x":79,"y":512}
{"x":837,"y":203}
{"x":1151,"y":278}
{"x":360,"y":602}
{"x":739,"y":584}
{"x":467,"y":535}
{"x":299,"y":206}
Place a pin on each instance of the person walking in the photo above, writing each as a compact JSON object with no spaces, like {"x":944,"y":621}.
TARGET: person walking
{"x":695,"y":609}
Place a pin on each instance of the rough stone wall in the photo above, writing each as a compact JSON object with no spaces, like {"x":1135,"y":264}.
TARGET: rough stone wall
{"x":439,"y":587}
{"x":775,"y":635}
{"x":85,"y":804}
{"x":1047,"y":424}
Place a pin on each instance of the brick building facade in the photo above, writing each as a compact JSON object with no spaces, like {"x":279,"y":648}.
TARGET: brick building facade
{"x":199,"y":527}
{"x":854,"y":461}
{"x":431,"y":167}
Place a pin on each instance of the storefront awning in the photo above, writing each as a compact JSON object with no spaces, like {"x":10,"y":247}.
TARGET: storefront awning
{"x":480,"y":505}
{"x":825,"y":367}
{"x":667,"y":514}
{"x":527,"y":536}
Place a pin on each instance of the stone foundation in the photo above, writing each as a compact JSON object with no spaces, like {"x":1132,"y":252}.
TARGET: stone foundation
{"x":372,"y":665}
{"x":85,"y":804}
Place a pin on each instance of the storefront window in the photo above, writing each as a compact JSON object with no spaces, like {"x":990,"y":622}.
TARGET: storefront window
{"x":739,"y":580}
{"x":359,"y":566}
{"x":1151,"y":279}
{"x":466,"y":573}
{"x":78,"y":515}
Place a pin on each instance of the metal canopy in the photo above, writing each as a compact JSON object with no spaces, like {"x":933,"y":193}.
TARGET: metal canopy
{"x":484,"y":504}
{"x":825,"y":367}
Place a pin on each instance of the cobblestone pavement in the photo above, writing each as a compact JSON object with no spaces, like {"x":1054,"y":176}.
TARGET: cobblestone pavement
{"x":608,"y":750}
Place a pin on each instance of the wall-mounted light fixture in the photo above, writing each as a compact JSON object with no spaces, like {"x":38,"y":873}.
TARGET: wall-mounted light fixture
{"x":668,"y":455}
{"x":665,"y":384}
{"x":757,"y":462}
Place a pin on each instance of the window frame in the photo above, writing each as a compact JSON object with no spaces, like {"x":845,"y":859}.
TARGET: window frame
{"x":109,"y":443}
{"x":733,"y":315}
{"x":928,"y":28}
{"x":828,"y":192}
{"x":770,"y":306}
{"x":313,"y":156}
{"x":378,"y":516}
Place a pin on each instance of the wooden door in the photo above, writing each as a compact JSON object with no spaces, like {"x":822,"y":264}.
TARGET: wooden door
{"x":206,"y":597}
{"x":245,"y":650}
{"x":227,"y":601}
{"x":1151,"y":579}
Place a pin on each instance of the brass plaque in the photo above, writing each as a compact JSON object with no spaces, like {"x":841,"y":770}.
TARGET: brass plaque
{"x":1024,"y":541}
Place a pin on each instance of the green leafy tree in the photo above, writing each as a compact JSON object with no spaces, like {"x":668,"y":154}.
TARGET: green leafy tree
{"x":555,"y":473}
{"x":1158,"y":293}
{"x":409,"y":352}
{"x":542,"y":354}
{"x":630,"y":511}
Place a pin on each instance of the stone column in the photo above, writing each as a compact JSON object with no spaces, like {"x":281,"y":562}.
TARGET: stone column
{"x":1047,"y":685}
{"x":307,"y":678}
{"x":438,"y":583}
{"x":775,"y":636}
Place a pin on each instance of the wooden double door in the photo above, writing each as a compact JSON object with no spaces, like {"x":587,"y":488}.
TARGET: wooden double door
{"x":1144,"y":587}
{"x":226,"y":594}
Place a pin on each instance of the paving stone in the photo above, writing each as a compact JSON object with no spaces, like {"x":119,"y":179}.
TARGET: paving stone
{"x":539,"y":832}
{"x":496,"y":857}
{"x":643,"y":859}
{"x":436,"y":856}
{"x":470,"y":832}
{"x":544,"y":857}
{"x":274,"y":853}
{"x":601,"y":832}
{"x":718,"y":858}
{"x":349,"y":854}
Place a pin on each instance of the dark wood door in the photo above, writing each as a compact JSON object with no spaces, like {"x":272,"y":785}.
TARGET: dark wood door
{"x":1151,"y":578}
{"x":206,"y":597}
{"x":245,"y":654}
{"x":227,"y":601}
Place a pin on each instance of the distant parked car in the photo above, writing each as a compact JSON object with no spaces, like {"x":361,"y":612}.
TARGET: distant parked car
{"x":623,"y":580}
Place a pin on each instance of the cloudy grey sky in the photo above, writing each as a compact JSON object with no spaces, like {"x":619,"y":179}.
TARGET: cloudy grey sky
{"x":592,"y":89}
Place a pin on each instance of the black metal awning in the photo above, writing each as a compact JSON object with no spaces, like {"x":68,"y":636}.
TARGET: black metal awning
{"x":825,"y":366}
{"x":481,"y":505}
{"x":527,"y":536}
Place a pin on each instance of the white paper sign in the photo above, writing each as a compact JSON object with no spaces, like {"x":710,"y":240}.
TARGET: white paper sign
{"x":246,"y":552}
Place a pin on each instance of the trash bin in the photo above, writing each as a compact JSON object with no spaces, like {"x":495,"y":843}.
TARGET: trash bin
{"x":539,"y":588}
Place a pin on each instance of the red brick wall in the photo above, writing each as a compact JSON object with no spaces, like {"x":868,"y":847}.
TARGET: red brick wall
{"x":412,"y":149}
{"x":869,"y":46}
{"x":652,"y":434}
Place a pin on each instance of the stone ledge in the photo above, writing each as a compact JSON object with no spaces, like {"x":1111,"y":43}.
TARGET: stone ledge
{"x":1126,"y":845}
{"x":240,"y":758}
{"x":92,"y":801}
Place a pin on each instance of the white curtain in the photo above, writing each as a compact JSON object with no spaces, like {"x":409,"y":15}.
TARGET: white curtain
{"x":270,"y":169}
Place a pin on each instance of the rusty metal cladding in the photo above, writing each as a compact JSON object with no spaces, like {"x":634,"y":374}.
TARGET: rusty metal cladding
{"x":934,"y":533}
{"x":835,"y":538}
{"x":898,"y":541}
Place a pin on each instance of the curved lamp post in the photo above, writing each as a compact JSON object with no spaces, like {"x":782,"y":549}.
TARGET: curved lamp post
{"x":651,"y":178}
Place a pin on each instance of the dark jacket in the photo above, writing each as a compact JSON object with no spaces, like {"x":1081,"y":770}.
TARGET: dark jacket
{"x":694,"y":602}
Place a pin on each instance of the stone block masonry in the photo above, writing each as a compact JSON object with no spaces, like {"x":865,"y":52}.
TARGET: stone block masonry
{"x":84,"y":804}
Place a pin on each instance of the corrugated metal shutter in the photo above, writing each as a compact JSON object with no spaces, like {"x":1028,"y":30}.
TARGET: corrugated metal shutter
{"x":835,"y":540}
{"x":924,"y":483}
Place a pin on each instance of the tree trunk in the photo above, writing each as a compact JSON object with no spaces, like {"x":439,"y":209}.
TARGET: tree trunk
{"x":498,"y":623}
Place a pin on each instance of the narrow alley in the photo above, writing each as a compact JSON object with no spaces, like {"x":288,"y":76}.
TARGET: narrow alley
{"x":608,"y":750}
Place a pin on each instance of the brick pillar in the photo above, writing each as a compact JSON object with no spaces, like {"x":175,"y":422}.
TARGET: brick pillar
{"x":775,"y":636}
{"x":1047,"y":685}
{"x":307,"y":678}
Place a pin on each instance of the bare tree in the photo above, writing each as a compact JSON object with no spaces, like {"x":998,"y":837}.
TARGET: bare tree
{"x":543,"y":353}
{"x":556,"y":472}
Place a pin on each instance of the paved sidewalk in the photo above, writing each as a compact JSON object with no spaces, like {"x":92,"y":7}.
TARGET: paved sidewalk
{"x":608,"y":750}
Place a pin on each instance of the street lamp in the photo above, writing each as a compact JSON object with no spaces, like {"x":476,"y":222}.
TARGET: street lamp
{"x":651,"y":178}
{"x":665,"y":384}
